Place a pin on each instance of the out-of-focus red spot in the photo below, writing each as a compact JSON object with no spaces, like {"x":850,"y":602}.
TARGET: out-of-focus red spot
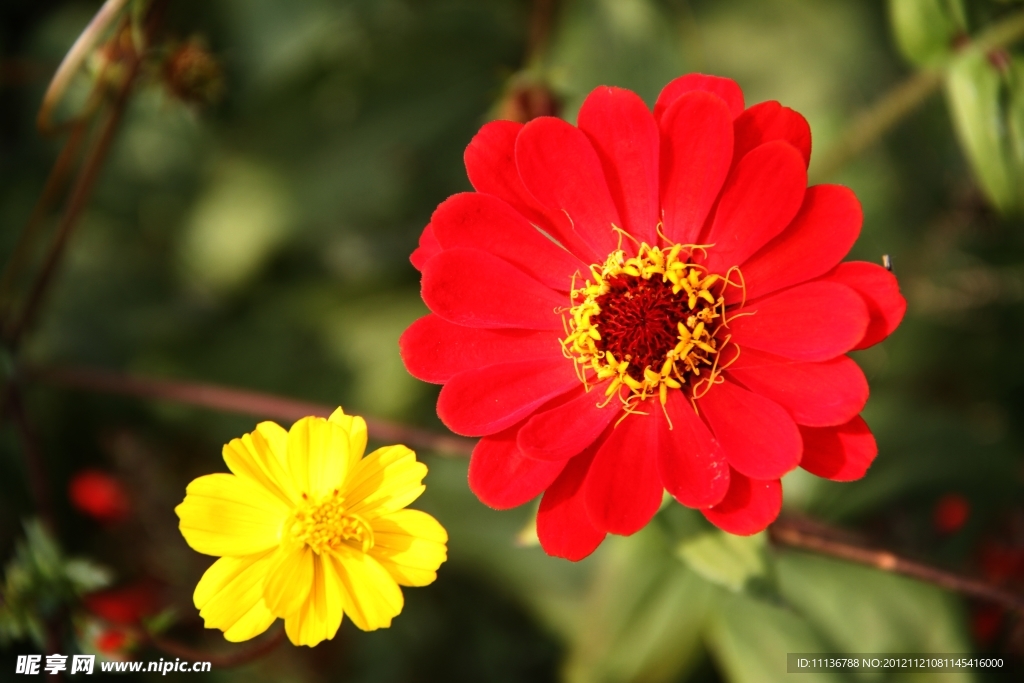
{"x":125,"y":604}
{"x":111,"y":641}
{"x":951,"y":513}
{"x":99,"y":495}
{"x":985,"y":623}
{"x":1000,"y":563}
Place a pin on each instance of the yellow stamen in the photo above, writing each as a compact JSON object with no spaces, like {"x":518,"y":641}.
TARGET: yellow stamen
{"x":696,"y":345}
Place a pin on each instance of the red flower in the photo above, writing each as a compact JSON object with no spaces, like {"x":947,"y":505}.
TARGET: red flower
{"x":125,"y":605}
{"x":99,"y":495}
{"x":683,"y":329}
{"x":111,"y":641}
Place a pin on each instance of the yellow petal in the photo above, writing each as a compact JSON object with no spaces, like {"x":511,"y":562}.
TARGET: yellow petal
{"x":262,"y":457}
{"x":384,"y":481}
{"x":318,"y":453}
{"x":289,"y":580}
{"x":230,"y":596}
{"x":370,"y":596}
{"x":410,"y":545}
{"x":320,"y":616}
{"x":223,"y":514}
{"x":356,"y":428}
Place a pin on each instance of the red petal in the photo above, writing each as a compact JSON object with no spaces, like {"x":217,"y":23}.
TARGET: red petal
{"x":771,"y":121}
{"x":696,"y":152}
{"x":491,"y":167}
{"x":476,"y":289}
{"x":762,"y":195}
{"x":482,"y":221}
{"x":725,"y":88}
{"x":818,"y":394}
{"x":623,"y":489}
{"x":625,"y":136}
{"x":434,"y":349}
{"x":881,"y":293}
{"x":818,"y":238}
{"x":749,"y":507}
{"x":488,"y":400}
{"x":841,"y":453}
{"x":561,"y":432}
{"x":563,"y":527}
{"x":502,"y":477}
{"x":691,"y":462}
{"x":757,"y":435}
{"x":428,"y":248}
{"x":811,"y":322}
{"x":561,"y":169}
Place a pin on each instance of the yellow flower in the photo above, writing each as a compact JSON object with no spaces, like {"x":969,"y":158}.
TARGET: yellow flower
{"x":307,"y":529}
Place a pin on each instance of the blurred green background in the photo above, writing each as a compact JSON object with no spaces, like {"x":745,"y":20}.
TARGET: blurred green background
{"x":262,"y":242}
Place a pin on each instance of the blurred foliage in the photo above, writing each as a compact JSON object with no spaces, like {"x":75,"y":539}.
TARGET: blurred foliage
{"x":257,"y":235}
{"x":39,"y":582}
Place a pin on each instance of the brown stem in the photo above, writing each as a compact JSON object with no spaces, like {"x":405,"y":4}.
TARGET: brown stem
{"x":35,"y":463}
{"x":541,"y":17}
{"x":74,"y":59}
{"x":54,"y":181}
{"x":256,"y":404}
{"x":826,"y":541}
{"x":80,"y":194}
{"x":219,"y":660}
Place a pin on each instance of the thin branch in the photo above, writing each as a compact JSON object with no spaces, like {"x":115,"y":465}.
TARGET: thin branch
{"x":80,"y":194}
{"x":219,"y":660}
{"x":541,"y":17}
{"x":226,"y":399}
{"x":35,"y":463}
{"x":872,"y":123}
{"x":73,"y":60}
{"x":826,"y":541}
{"x":54,"y":182}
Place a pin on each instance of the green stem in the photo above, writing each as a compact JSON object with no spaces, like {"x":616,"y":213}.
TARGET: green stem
{"x":872,"y":123}
{"x":73,"y":60}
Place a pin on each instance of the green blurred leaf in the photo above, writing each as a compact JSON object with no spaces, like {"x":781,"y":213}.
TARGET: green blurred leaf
{"x":724,"y":559}
{"x":627,"y":43}
{"x":86,"y":576}
{"x":977,"y":97}
{"x":925,"y":29}
{"x":38,"y":581}
{"x":858,"y":609}
{"x":1015,"y":112}
{"x":643,"y":615}
{"x":750,"y":638}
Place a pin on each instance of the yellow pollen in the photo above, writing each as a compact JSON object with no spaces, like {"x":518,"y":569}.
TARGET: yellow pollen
{"x":698,"y":299}
{"x":326,"y":525}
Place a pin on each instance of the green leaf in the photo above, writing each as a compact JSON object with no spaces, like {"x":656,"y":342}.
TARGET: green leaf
{"x":750,"y":638}
{"x":859,"y":609}
{"x":38,"y":581}
{"x":86,"y":576}
{"x":724,"y":559}
{"x":926,"y":29}
{"x":643,"y":615}
{"x":976,"y":93}
{"x":1015,"y":112}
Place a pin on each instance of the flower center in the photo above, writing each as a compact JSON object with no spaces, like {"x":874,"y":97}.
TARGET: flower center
{"x":651,"y":323}
{"x":325,"y":525}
